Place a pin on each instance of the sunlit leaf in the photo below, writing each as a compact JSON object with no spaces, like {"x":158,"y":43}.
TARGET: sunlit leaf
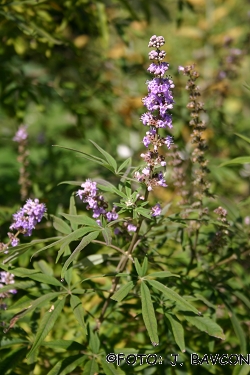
{"x":123,"y":291}
{"x":47,"y":324}
{"x":148,"y":314}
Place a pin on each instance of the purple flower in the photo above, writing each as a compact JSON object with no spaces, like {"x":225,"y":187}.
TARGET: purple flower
{"x":27,"y":217}
{"x":6,"y":278}
{"x":21,"y":134}
{"x":131,"y":228}
{"x":156,"y":210}
{"x":168,"y":141}
{"x":158,"y":70}
{"x":95,"y":201}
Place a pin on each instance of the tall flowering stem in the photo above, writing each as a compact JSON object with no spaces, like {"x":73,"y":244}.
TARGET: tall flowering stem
{"x":21,"y":137}
{"x":158,"y":103}
{"x":200,"y":183}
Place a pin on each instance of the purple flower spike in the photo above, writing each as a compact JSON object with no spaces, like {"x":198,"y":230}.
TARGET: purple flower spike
{"x":27,"y":217}
{"x":158,"y":103}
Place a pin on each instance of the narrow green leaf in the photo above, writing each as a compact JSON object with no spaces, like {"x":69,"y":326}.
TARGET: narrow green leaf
{"x":162,"y":274}
{"x":94,"y":342}
{"x":32,"y":305}
{"x":60,"y":225}
{"x":112,"y":189}
{"x":10,"y":360}
{"x":76,"y":305}
{"x":111,"y":161}
{"x":19,"y":285}
{"x":205,"y":324}
{"x":46,"y":279}
{"x":125,"y":164}
{"x":238,"y":331}
{"x":73,"y":211}
{"x":84,"y":242}
{"x":67,"y":365}
{"x":148,"y":314}
{"x":243,"y":137}
{"x":64,"y":344}
{"x":9,"y":342}
{"x":110,"y":369}
{"x":144,"y":266}
{"x":47,"y":324}
{"x":67,"y":239}
{"x":138,"y":267}
{"x":76,"y":360}
{"x":92,"y":260}
{"x":123,"y":291}
{"x":242,"y":297}
{"x":107,"y":235}
{"x":43,"y":267}
{"x":177,"y":330}
{"x":173,"y":296}
{"x":91,"y":368}
{"x":239,"y":160}
{"x":241,"y":370}
{"x":81,"y":220}
{"x":85,"y":155}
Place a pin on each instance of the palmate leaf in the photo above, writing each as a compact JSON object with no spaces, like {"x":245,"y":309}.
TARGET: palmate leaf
{"x":47,"y":324}
{"x":148,"y":314}
{"x":32,"y":305}
{"x":177,"y":330}
{"x":173,"y":296}
{"x":78,"y":233}
{"x":84,"y":242}
{"x":123,"y":291}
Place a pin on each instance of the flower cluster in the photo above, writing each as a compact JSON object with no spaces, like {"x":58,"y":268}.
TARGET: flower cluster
{"x":6,"y":278}
{"x":25,"y":220}
{"x":95,"y":201}
{"x":158,"y":103}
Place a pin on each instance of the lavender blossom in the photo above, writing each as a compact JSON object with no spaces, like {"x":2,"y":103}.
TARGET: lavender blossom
{"x":95,"y":202}
{"x":6,"y":278}
{"x":156,"y":210}
{"x":21,"y":134}
{"x":131,"y":228}
{"x":26,"y":219}
{"x":158,"y":103}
